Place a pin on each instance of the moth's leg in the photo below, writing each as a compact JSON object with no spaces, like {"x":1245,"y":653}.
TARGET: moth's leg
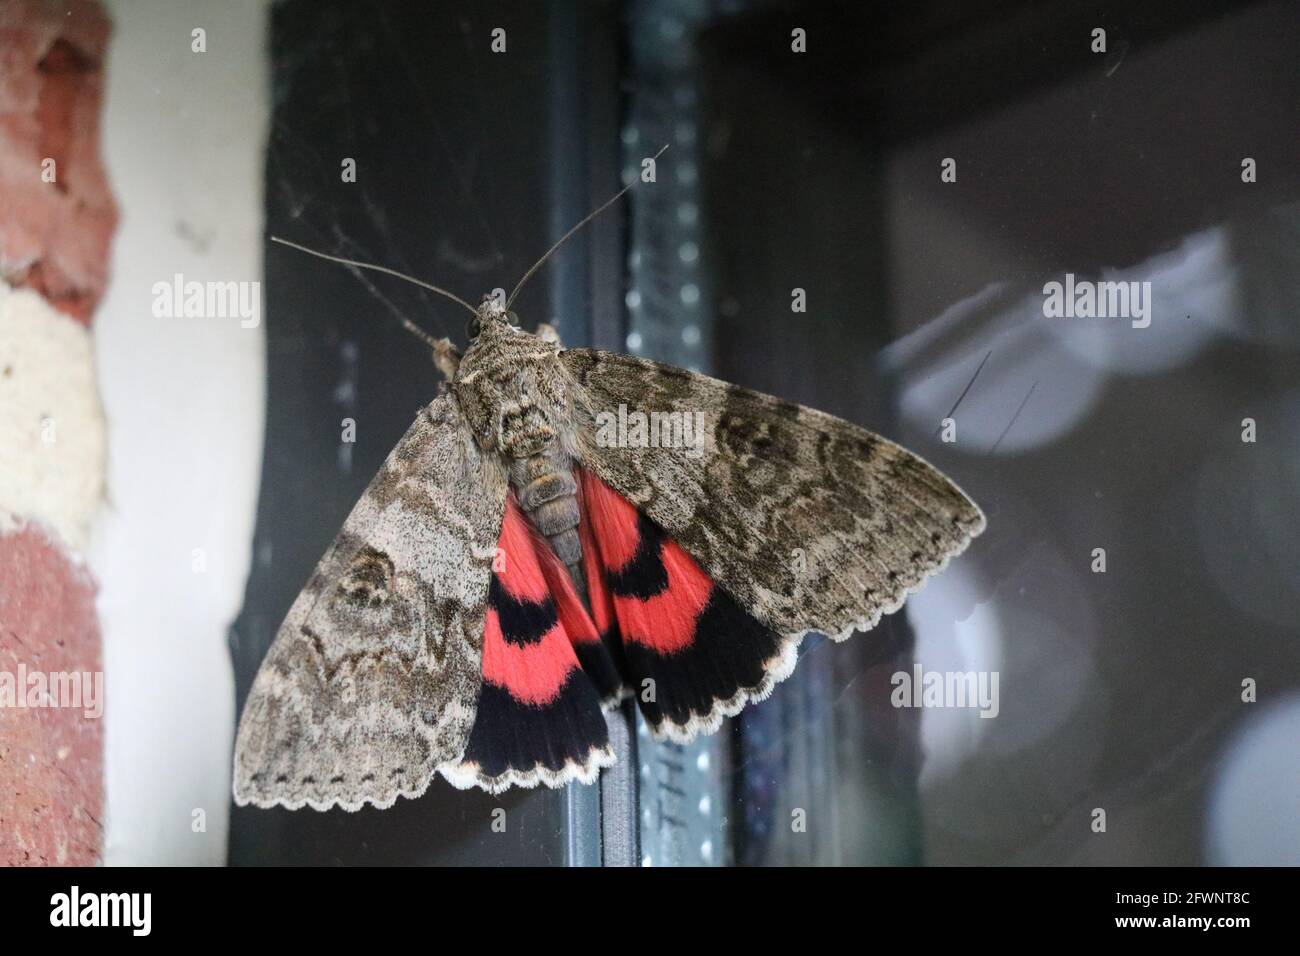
{"x":546,"y":332}
{"x":446,"y":357}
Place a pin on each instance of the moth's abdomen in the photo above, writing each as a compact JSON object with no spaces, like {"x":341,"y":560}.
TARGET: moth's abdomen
{"x":548,"y":494}
{"x":552,"y":505}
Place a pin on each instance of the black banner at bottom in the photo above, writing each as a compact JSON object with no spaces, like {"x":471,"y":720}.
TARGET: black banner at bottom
{"x":254,"y":907}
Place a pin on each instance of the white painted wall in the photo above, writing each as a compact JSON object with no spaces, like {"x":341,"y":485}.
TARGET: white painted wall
{"x":184,"y":143}
{"x":52,"y":429}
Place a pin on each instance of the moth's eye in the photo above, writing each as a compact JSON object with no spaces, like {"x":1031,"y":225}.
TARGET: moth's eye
{"x":472,"y":328}
{"x":513,"y":319}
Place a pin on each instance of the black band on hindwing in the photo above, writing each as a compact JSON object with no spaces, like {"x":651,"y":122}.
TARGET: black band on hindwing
{"x":522,"y":622}
{"x":645,"y":575}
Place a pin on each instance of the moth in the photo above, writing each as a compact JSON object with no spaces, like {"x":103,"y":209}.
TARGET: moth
{"x":510,"y":574}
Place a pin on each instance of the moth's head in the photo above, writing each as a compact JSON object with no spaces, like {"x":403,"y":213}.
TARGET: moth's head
{"x":509,"y":385}
{"x":491,"y":319}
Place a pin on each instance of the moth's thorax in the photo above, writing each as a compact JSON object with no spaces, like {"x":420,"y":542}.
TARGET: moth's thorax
{"x":512,"y":390}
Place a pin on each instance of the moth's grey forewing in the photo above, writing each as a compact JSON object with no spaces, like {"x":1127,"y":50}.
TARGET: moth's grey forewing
{"x":373,"y":678}
{"x":809,"y":522}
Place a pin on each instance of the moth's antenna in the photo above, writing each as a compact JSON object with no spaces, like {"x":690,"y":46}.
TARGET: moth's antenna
{"x":564,"y":238}
{"x":410,"y":326}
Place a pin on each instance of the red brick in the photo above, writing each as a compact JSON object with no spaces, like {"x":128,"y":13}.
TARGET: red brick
{"x":51,"y":759}
{"x":54,"y":238}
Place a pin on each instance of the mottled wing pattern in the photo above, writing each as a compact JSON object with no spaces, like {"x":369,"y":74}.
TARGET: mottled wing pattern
{"x":373,"y":679}
{"x":809,"y":522}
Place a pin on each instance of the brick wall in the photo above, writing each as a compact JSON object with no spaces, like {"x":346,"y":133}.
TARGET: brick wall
{"x":57,"y":219}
